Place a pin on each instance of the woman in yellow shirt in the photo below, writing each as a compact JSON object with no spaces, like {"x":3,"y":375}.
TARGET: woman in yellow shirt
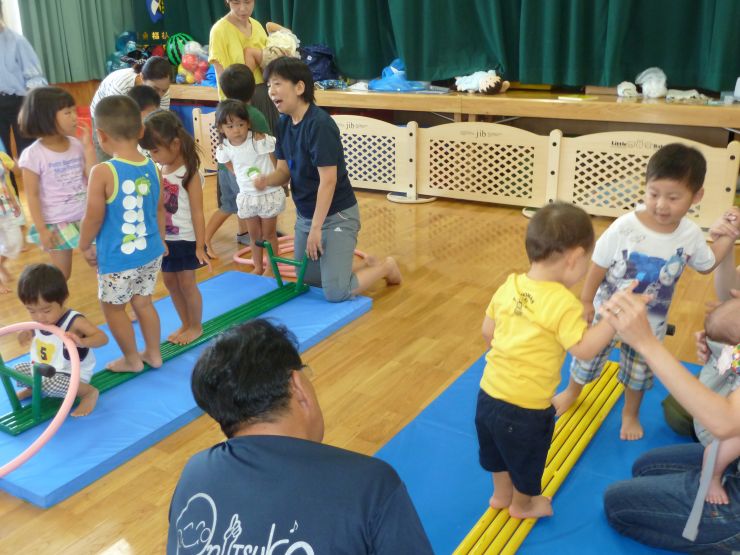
{"x":230,"y":35}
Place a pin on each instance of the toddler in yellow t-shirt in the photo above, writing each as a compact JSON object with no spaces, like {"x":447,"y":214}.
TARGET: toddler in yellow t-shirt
{"x":532,"y":320}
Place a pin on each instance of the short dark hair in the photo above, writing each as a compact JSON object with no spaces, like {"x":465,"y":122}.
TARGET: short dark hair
{"x":145,"y":97}
{"x":161,"y":128}
{"x":294,"y":70}
{"x":42,"y":281}
{"x":38,"y":115}
{"x":678,"y":162}
{"x":118,"y":116}
{"x":556,"y":228}
{"x":229,"y":109}
{"x":723,"y":323}
{"x":244,"y":376}
{"x":237,"y":82}
{"x":156,"y":67}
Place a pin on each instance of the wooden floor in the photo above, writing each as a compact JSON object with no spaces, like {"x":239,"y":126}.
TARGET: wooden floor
{"x":373,"y":377}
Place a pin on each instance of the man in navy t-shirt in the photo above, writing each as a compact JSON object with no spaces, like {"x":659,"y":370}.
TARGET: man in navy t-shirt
{"x":272,"y":486}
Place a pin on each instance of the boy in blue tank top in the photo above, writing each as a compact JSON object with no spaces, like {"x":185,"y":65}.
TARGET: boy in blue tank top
{"x":126,"y":219}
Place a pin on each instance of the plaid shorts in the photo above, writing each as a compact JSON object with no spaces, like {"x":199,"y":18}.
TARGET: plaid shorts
{"x":68,"y":235}
{"x":267,"y":205}
{"x":634,"y":372}
{"x":56,"y":386}
{"x":120,"y":287}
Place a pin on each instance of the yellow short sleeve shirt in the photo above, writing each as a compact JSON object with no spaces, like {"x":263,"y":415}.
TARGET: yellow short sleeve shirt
{"x":227,"y":44}
{"x":536,"y":323}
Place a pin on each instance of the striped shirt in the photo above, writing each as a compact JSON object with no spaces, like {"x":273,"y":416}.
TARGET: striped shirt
{"x":121,"y":82}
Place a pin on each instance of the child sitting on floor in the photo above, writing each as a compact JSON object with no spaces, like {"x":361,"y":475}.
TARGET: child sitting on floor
{"x":652,"y":244}
{"x":43,"y":289}
{"x":125,"y":216}
{"x":532,"y":320}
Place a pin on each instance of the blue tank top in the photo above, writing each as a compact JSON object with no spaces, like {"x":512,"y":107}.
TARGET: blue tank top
{"x":129,"y":237}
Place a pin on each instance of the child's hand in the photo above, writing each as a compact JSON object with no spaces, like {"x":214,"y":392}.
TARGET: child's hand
{"x":91,"y":256}
{"x":702,"y":350}
{"x":588,"y":311}
{"x":727,"y":226}
{"x":83,"y":133}
{"x":259,"y":136}
{"x":47,"y":239}
{"x":203,"y":258}
{"x":24,"y":338}
{"x":260,"y":182}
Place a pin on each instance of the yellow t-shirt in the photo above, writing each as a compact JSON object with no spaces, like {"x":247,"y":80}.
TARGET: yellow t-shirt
{"x":227,"y":43}
{"x":536,"y":323}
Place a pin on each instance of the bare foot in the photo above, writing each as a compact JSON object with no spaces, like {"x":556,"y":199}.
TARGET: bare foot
{"x":211,"y":252}
{"x":152,"y":359}
{"x":25,"y":393}
{"x":393,"y":276}
{"x":124,"y":364}
{"x":189,"y":335}
{"x":173,"y":337}
{"x":87,"y":403}
{"x":564,"y":400}
{"x":500,"y":502}
{"x":537,"y":507}
{"x":717,"y":494}
{"x":5,"y":278}
{"x":631,"y":429}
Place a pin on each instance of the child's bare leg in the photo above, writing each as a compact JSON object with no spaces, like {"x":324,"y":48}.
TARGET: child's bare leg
{"x":528,"y":506}
{"x":172,"y":283}
{"x":193,"y":307}
{"x":729,"y":450}
{"x":254,"y":226}
{"x":123,"y":332}
{"x":631,"y":427}
{"x":252,"y":58}
{"x":63,"y":261}
{"x":503,"y":490}
{"x":216,"y":220}
{"x":387,"y":270}
{"x":88,"y":398}
{"x":563,"y":400}
{"x":24,"y":393}
{"x":5,"y":276}
{"x":150,"y":329}
{"x":269,"y":234}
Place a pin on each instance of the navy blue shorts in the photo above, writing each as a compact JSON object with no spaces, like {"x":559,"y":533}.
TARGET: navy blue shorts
{"x":515,"y":440}
{"x":181,"y":257}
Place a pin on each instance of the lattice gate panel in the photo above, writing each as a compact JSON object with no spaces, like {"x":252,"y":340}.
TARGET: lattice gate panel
{"x":370,"y":159}
{"x":485,"y":162}
{"x":604,"y":173}
{"x":206,"y":137}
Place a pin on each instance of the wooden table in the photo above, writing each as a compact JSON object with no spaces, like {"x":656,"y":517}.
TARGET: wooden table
{"x":515,"y":104}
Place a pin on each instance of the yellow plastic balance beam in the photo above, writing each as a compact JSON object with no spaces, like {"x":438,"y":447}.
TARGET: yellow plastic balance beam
{"x":498,"y":533}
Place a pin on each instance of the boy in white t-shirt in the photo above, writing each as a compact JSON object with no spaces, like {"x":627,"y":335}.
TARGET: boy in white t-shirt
{"x":652,"y":245}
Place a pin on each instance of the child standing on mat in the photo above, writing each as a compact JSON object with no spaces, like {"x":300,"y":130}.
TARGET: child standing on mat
{"x":532,"y":320}
{"x":125,"y":217}
{"x":42,"y":288}
{"x":249,"y":155}
{"x":174,"y":149}
{"x":11,"y":237}
{"x":237,"y":83}
{"x":653,"y":245}
{"x":55,"y":172}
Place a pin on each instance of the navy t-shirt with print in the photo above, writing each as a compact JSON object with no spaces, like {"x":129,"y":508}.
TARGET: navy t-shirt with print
{"x":275,"y":494}
{"x":314,"y":142}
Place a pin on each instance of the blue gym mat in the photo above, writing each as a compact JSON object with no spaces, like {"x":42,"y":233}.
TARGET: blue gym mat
{"x":137,"y":414}
{"x":436,"y":455}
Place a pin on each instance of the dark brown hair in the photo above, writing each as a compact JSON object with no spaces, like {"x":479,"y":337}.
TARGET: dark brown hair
{"x":38,"y":115}
{"x":118,"y":116}
{"x":558,"y":227}
{"x":42,"y":281}
{"x":229,"y":109}
{"x":237,"y":82}
{"x":680,"y":163}
{"x":293,"y":70}
{"x":163,"y":127}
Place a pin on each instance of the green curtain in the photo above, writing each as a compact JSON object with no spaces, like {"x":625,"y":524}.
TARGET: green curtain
{"x":74,"y":37}
{"x":359,"y":31}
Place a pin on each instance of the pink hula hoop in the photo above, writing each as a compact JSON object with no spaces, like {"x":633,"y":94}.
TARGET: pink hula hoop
{"x":69,"y":399}
{"x":286,"y":244}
